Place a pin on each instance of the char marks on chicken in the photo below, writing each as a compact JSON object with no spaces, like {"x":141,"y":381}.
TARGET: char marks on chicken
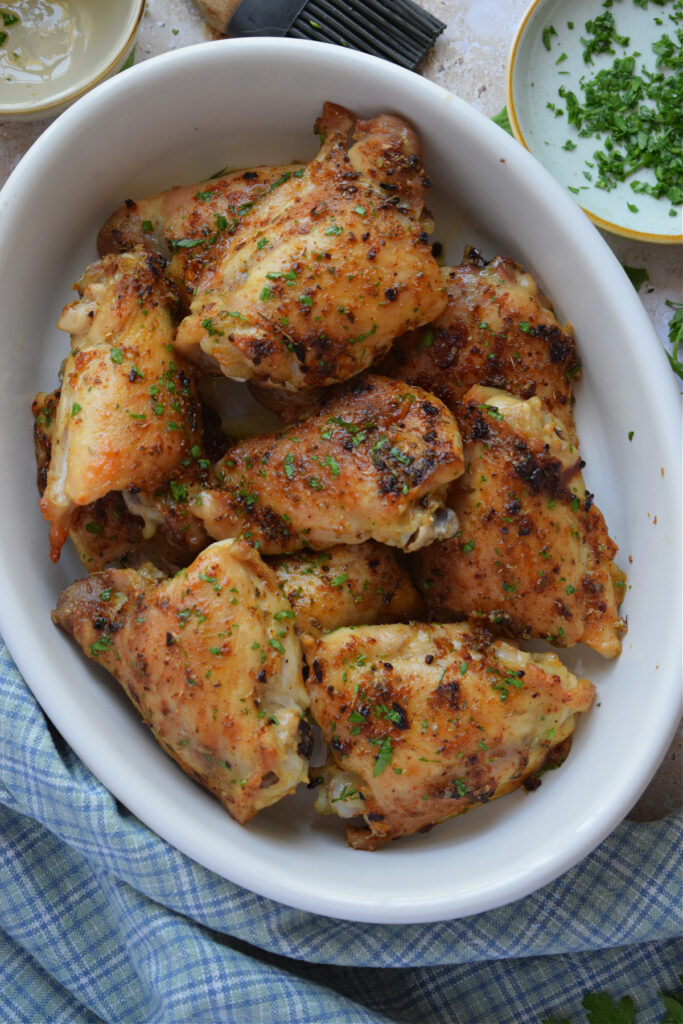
{"x":533,"y":553}
{"x":373,"y":461}
{"x":497,"y":329}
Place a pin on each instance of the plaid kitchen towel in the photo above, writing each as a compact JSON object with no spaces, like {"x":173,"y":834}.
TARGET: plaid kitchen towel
{"x":101,"y":920}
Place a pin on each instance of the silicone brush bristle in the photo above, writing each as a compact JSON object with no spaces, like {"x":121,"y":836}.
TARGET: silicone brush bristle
{"x":397,"y":30}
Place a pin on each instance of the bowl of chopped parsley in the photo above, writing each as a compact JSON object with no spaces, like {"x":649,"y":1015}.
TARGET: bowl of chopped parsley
{"x":595,"y":92}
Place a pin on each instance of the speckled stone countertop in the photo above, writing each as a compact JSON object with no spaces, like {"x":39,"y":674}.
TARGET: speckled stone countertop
{"x":469,"y":59}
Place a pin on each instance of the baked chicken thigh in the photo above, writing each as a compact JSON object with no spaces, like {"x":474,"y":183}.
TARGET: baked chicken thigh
{"x":210,"y":660}
{"x":349,"y":585}
{"x":131,"y":527}
{"x":128,"y":413}
{"x":373,"y":462}
{"x":498,"y":330}
{"x":309,"y":281}
{"x":424,"y":722}
{"x":533,"y":553}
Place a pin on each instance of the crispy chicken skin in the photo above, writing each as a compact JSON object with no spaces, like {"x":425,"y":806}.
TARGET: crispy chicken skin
{"x":373,"y":462}
{"x":424,"y":722}
{"x":498,"y":330}
{"x":212,"y":665}
{"x":128,"y":413}
{"x":346,"y":586}
{"x":325,"y":269}
{"x":181,"y":222}
{"x":533,"y":553}
{"x":131,"y":527}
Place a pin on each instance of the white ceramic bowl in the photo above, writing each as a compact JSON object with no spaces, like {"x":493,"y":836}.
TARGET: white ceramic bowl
{"x":178,"y":118}
{"x":57,"y":50}
{"x":538,"y":65}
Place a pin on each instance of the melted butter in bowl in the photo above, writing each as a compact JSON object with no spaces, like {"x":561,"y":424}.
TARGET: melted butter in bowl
{"x":52,"y":51}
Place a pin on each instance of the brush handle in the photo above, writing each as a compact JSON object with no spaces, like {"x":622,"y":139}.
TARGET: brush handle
{"x":251,"y":17}
{"x":217,"y":12}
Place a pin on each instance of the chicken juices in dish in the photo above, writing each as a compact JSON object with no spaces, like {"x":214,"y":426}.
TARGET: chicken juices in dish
{"x":128,"y":413}
{"x":349,"y":585}
{"x":533,"y":553}
{"x":424,"y":722}
{"x":211,"y":662}
{"x":374,"y":461}
{"x":324,"y":270}
{"x":497,"y":330}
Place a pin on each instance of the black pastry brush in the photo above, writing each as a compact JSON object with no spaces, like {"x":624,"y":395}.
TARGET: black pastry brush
{"x":397,"y":30}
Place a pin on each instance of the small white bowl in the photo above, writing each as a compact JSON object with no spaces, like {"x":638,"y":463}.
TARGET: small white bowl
{"x":179,"y":118}
{"x":57,"y":50}
{"x":547,"y":53}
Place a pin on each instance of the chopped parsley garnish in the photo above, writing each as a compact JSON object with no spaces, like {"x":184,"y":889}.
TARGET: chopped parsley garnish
{"x":637,"y":276}
{"x":502,"y":119}
{"x":116,"y":355}
{"x":192,"y":243}
{"x":383,"y":757}
{"x":633,"y":111}
{"x":212,"y":580}
{"x":179,"y":491}
{"x":100,"y":645}
{"x":676,"y":336}
{"x":547,"y":35}
{"x":207,"y":324}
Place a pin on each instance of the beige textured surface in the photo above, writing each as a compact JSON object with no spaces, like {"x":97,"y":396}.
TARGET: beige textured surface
{"x":469,"y":58}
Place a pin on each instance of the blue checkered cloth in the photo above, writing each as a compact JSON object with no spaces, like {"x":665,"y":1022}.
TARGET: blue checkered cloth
{"x":101,"y":920}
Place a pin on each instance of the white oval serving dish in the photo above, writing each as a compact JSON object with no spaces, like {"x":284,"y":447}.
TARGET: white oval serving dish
{"x":179,"y":118}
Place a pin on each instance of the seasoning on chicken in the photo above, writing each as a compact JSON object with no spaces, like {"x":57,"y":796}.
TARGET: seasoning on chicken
{"x":130,"y":527}
{"x":128,"y":413}
{"x":498,"y":330}
{"x":184,"y":223}
{"x":325,"y":269}
{"x":374,"y":461}
{"x":424,"y":722}
{"x":349,"y":585}
{"x":533,"y":553}
{"x":210,"y":660}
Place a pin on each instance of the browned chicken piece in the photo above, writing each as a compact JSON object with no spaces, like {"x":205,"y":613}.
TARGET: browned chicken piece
{"x":128,"y":413}
{"x":323,"y":271}
{"x":497,"y":329}
{"x":130,"y":527}
{"x":424,"y":722}
{"x":185,"y":223}
{"x":533,"y":553}
{"x":373,"y":462}
{"x":346,"y":586}
{"x":211,"y":662}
